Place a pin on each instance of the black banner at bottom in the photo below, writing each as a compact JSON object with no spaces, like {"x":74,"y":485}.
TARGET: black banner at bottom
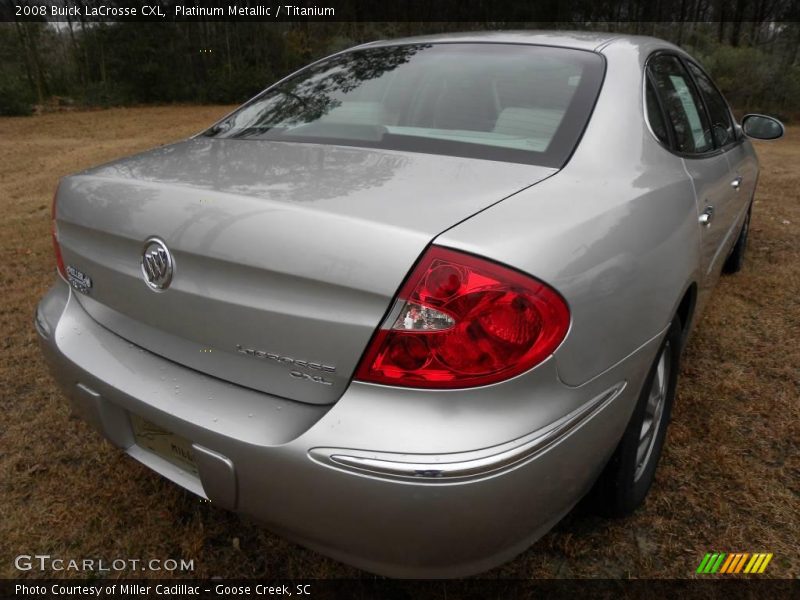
{"x":387,"y":589}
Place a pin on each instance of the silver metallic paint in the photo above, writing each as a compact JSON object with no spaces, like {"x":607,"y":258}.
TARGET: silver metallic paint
{"x":616,"y":232}
{"x":230,"y":212}
{"x":398,"y":467}
{"x":267,"y":441}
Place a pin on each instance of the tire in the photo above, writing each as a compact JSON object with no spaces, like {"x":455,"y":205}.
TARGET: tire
{"x":626,"y":479}
{"x":735,"y":260}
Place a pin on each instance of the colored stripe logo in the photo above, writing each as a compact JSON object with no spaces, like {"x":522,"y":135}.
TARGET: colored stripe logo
{"x":736,"y":562}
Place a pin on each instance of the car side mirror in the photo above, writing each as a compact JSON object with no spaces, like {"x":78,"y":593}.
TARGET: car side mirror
{"x":762,"y":127}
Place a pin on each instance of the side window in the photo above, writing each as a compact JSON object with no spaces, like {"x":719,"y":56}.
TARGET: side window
{"x":682,"y":105}
{"x":721,"y":124}
{"x":654,"y":114}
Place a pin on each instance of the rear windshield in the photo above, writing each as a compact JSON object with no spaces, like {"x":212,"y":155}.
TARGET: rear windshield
{"x":515,"y":103}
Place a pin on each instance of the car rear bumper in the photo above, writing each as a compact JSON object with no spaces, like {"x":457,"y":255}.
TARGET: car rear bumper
{"x":398,"y":482}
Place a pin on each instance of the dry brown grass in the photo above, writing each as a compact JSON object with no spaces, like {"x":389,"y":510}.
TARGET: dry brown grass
{"x":729,"y":479}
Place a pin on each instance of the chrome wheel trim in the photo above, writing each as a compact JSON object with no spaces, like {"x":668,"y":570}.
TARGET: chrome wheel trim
{"x":654,"y":412}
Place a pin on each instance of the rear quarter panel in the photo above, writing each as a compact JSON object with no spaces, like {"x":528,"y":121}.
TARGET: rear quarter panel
{"x":615,"y":232}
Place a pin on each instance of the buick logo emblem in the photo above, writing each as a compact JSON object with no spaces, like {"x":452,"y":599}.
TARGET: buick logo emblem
{"x":157,"y":265}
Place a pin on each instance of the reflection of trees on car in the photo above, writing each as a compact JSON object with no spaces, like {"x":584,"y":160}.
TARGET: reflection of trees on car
{"x":318,"y":91}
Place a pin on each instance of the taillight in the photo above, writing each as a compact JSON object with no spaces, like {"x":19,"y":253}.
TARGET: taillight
{"x":54,"y":231}
{"x":464,"y":321}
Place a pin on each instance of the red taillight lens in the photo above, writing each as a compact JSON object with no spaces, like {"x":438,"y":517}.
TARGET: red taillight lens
{"x":464,"y":322}
{"x":54,"y":231}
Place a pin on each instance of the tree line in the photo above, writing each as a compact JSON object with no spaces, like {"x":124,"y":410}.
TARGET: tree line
{"x":750,"y":47}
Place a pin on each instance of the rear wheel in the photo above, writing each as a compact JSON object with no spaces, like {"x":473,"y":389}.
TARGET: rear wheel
{"x":627,"y":478}
{"x":735,"y":261}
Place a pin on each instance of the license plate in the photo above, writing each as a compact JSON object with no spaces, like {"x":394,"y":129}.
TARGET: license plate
{"x":164,"y":443}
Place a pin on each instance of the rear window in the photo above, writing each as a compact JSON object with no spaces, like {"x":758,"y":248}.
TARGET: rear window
{"x":515,"y":103}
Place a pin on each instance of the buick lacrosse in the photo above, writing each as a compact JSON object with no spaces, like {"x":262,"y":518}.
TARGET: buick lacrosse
{"x":413,"y":302}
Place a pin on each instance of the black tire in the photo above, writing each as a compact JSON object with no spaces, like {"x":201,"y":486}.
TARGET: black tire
{"x":735,"y":260}
{"x":626,"y":479}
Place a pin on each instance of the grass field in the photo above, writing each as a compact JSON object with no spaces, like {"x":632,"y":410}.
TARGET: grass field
{"x":729,"y":479}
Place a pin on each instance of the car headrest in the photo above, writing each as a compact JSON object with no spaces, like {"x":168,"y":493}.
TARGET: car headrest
{"x":535,"y":123}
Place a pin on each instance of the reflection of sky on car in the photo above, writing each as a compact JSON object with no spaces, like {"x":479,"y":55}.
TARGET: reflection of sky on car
{"x":513,"y":99}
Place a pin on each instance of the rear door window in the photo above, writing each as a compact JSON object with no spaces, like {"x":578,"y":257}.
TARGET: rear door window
{"x":655,"y":116}
{"x":718,"y":113}
{"x":682,"y":104}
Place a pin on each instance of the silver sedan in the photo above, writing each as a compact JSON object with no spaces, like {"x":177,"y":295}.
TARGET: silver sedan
{"x":412,"y":303}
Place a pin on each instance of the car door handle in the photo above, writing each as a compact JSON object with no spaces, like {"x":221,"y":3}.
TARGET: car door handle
{"x":736,"y":183}
{"x":706,"y":216}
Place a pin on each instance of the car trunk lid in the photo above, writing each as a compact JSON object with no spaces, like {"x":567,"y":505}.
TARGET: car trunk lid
{"x":286,"y":256}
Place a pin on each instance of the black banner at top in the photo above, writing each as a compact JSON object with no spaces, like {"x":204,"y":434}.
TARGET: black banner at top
{"x":485,"y":11}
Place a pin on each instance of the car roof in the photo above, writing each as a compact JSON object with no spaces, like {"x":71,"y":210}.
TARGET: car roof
{"x":582,"y":40}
